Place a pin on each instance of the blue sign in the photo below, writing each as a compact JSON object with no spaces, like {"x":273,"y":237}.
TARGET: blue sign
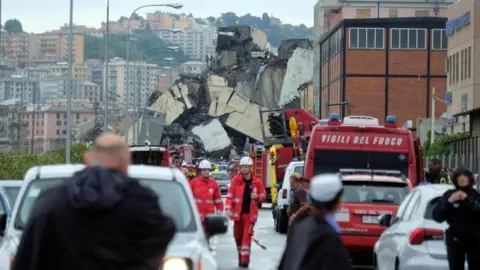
{"x":448,"y":98}
{"x":458,"y":23}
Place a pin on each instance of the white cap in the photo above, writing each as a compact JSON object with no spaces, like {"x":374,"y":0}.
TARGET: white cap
{"x":325,"y":187}
{"x":246,"y":161}
{"x":205,"y":164}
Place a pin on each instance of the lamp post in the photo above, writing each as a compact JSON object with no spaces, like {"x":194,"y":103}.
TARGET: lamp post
{"x":127,"y":101}
{"x":105,"y":91}
{"x":70,"y":86}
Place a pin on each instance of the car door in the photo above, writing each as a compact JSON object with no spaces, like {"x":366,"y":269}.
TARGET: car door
{"x":386,"y":249}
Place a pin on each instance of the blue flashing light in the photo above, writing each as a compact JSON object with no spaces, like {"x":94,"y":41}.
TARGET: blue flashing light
{"x":258,"y":143}
{"x":334,"y":117}
{"x":391,"y":119}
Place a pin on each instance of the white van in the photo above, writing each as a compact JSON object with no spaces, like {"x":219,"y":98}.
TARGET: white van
{"x":283,"y":199}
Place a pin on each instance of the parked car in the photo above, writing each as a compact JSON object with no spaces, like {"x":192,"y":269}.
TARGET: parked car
{"x":12,"y":188}
{"x":279,"y":212}
{"x":189,"y":246}
{"x":223,"y":180}
{"x":413,"y":240}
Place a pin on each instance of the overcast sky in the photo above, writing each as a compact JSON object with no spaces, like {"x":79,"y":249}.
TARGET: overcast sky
{"x":42,"y":15}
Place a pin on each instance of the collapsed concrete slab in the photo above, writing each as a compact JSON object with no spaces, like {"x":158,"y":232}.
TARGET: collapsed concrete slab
{"x":213,"y":137}
{"x":299,"y":71}
{"x":239,"y":36}
{"x":288,"y":47}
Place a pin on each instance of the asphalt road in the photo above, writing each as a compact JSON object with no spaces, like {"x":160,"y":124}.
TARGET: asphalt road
{"x":226,"y":253}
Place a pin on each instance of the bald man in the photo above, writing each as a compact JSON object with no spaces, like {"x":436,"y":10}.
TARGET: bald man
{"x":98,"y":219}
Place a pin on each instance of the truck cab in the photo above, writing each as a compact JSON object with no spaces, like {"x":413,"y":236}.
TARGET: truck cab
{"x":150,"y":155}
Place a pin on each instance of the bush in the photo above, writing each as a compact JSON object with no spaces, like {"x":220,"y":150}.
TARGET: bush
{"x":441,"y":145}
{"x":15,"y":165}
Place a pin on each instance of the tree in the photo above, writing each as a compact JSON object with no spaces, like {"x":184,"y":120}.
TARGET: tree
{"x":13,"y":26}
{"x":211,"y":19}
{"x":229,"y":18}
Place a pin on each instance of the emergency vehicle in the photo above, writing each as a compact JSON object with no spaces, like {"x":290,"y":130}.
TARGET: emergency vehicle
{"x":367,"y":194}
{"x":360,"y":142}
{"x":150,"y":155}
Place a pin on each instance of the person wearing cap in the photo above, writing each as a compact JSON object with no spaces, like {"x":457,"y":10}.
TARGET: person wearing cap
{"x":460,"y":208}
{"x":314,"y":242}
{"x":246,"y":192}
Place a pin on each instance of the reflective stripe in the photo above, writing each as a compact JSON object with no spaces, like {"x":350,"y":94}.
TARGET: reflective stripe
{"x":237,"y":200}
{"x":199,"y":201}
{"x":228,"y":207}
{"x":218,"y":201}
{"x":229,"y":195}
{"x":209,"y":201}
{"x":244,"y":253}
{"x":245,"y":248}
{"x":204,"y":201}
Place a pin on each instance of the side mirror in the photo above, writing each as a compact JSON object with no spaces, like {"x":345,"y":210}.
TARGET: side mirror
{"x":216,"y":225}
{"x":385,"y":220}
{"x":278,"y":186}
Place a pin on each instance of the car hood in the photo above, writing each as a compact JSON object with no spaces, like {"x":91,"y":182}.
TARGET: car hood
{"x":185,"y":245}
{"x":223,"y":182}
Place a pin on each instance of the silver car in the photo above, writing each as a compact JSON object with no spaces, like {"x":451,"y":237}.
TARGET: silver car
{"x":413,"y":240}
{"x":188,"y":249}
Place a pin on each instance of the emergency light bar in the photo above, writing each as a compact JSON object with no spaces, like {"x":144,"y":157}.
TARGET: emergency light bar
{"x":334,"y":117}
{"x":391,"y":119}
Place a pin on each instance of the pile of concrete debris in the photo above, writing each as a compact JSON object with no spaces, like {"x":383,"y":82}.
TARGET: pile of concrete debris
{"x":219,"y":109}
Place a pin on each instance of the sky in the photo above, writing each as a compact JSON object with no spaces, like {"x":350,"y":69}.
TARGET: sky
{"x":43,"y":15}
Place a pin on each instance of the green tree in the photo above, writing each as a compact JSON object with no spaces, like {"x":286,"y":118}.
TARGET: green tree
{"x":211,"y":19}
{"x":13,"y":26}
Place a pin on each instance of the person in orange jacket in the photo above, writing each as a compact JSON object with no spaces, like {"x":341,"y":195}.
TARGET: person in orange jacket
{"x":206,"y":192}
{"x":246,"y":192}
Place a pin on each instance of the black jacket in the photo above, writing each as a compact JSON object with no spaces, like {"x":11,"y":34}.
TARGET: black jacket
{"x":98,"y":219}
{"x":463,"y":217}
{"x":312,"y":244}
{"x":440,"y":177}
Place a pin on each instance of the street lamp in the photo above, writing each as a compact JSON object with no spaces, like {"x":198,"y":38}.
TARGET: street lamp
{"x":70,"y":86}
{"x":127,"y":105}
{"x":105,"y":91}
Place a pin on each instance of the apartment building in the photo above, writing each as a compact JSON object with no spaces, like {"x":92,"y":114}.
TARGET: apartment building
{"x":328,"y":13}
{"x":143,"y":80}
{"x":384,"y":66}
{"x":19,"y":87}
{"x":55,"y":45}
{"x":195,"y":43}
{"x":47,"y":125}
{"x":192,"y":67}
{"x":160,"y":20}
{"x":14,"y":46}
{"x":55,"y":87}
{"x":79,"y":72}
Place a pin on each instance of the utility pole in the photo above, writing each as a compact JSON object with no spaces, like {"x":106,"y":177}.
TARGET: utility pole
{"x":70,"y":86}
{"x":432,"y":118}
{"x":33,"y":119}
{"x":135,"y":109}
{"x":105,"y":91}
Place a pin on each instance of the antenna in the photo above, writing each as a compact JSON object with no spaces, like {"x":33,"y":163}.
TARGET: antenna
{"x":436,"y":8}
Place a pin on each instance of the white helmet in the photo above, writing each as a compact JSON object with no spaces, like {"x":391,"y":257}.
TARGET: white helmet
{"x":246,"y":161}
{"x":205,"y":164}
{"x":184,"y":163}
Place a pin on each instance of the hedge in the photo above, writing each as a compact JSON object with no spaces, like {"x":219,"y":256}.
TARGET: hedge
{"x":15,"y":165}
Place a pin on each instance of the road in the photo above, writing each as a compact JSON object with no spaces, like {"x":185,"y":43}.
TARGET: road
{"x":226,"y":252}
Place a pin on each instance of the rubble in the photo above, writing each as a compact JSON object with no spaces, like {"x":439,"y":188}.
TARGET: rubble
{"x":218,"y":111}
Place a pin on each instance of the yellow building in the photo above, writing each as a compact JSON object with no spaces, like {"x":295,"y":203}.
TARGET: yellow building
{"x":14,"y":46}
{"x":159,"y":20}
{"x":56,"y":44}
{"x":306,"y":96}
{"x":78,"y":72}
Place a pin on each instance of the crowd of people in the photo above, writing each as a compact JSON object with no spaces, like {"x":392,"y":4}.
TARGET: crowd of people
{"x":103,"y":219}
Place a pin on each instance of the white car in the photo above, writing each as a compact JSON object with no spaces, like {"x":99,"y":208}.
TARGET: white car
{"x":188,"y":249}
{"x":413,"y":240}
{"x":283,"y":197}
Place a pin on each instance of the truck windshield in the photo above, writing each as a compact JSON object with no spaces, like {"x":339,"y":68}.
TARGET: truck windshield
{"x":374,"y":192}
{"x":331,"y":161}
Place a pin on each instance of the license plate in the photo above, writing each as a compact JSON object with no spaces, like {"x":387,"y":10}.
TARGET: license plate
{"x":342,"y":217}
{"x":370,"y":219}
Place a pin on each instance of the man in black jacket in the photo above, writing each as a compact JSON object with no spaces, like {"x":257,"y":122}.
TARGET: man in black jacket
{"x":435,"y":174}
{"x":314,"y":243}
{"x":98,"y":219}
{"x":460,"y":208}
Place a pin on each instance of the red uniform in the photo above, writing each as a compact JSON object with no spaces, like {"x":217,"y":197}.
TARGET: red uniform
{"x":207,"y":195}
{"x":243,"y":223}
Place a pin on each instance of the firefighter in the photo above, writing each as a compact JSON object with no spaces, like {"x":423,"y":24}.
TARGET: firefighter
{"x":206,"y":192}
{"x":191,"y":173}
{"x":435,"y":174}
{"x":246,"y":192}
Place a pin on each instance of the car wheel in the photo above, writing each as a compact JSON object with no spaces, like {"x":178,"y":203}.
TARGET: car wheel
{"x":282,"y":222}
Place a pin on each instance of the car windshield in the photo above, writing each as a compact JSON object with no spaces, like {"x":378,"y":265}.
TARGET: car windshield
{"x":374,"y":192}
{"x":222,"y":167}
{"x":12,"y":193}
{"x":172,"y":198}
{"x":221,"y":176}
{"x":331,"y":161}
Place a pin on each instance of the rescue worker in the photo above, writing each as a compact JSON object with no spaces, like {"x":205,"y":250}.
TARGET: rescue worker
{"x":216,"y":168}
{"x":246,"y":192}
{"x":435,"y":174}
{"x":206,"y":192}
{"x":191,"y":173}
{"x":314,"y":243}
{"x":460,"y":208}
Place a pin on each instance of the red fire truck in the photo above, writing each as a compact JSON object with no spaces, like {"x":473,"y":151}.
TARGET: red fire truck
{"x":360,"y":142}
{"x":150,"y":155}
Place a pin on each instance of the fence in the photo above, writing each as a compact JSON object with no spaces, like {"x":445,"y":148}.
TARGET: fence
{"x":454,"y":161}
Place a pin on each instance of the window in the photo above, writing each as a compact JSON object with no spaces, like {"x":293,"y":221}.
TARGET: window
{"x":408,"y":38}
{"x":464,"y":102}
{"x":367,"y":38}
{"x":469,"y":60}
{"x":401,"y":209}
{"x":412,"y":206}
{"x":439,"y":39}
{"x":462,"y":59}
{"x":392,"y":13}
{"x":58,"y":116}
{"x":363,"y":13}
{"x":456,"y":67}
{"x":422,"y":13}
{"x":451,"y":68}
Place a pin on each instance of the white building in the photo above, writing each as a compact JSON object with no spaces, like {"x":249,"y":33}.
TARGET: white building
{"x":195,"y":43}
{"x":16,"y":86}
{"x":54,"y":87}
{"x":143,"y":81}
{"x":192,"y":67}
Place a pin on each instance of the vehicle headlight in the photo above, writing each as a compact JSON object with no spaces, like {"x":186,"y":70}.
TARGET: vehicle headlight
{"x":177,"y":263}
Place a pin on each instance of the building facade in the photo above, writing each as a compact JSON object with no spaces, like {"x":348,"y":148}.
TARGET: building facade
{"x":194,"y":43}
{"x":19,"y":87}
{"x":55,"y":44}
{"x":14,"y":46}
{"x":385,"y":66}
{"x":328,"y":13}
{"x":192,"y":67}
